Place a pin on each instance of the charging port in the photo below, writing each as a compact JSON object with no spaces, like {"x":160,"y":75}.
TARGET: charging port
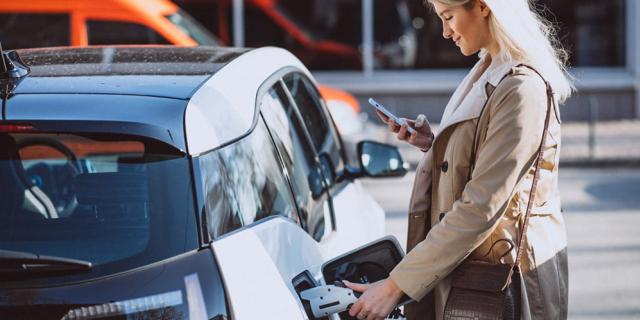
{"x":302,"y":282}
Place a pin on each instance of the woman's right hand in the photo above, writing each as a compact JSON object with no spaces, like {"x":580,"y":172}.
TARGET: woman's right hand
{"x":422,"y":136}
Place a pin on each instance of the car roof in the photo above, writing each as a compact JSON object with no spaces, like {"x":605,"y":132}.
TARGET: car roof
{"x":201,"y":97}
{"x":160,"y":71}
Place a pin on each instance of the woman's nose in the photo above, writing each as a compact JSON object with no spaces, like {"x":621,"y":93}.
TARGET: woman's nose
{"x":446,"y":31}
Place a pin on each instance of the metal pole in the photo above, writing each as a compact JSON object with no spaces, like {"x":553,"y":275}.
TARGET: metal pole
{"x":633,"y":32}
{"x":238,"y":23}
{"x":367,"y":37}
{"x":593,"y":119}
{"x":4,"y":63}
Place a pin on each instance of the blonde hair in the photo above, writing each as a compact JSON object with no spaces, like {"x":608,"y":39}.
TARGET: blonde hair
{"x":523,"y":34}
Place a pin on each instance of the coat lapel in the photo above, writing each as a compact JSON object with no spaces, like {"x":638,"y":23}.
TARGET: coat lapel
{"x":463,"y":107}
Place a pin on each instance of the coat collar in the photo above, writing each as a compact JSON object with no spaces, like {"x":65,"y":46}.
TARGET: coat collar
{"x":471,"y":95}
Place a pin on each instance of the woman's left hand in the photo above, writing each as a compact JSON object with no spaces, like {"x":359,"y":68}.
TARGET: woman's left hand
{"x":377,"y":301}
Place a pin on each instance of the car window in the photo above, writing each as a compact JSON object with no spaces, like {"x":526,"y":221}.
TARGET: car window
{"x":244,"y":183}
{"x":118,"y":202}
{"x":117,"y":32}
{"x":299,"y":159}
{"x":316,"y":120}
{"x":22,"y":30}
{"x":191,"y":27}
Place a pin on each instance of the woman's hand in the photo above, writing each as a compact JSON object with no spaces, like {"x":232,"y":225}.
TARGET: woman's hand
{"x":377,"y":301}
{"x":422,"y":136}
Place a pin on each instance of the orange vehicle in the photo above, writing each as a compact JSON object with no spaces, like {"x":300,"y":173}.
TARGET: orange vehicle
{"x":47,"y":23}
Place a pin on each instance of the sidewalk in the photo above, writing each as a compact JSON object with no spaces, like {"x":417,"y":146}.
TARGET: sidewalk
{"x":617,"y":143}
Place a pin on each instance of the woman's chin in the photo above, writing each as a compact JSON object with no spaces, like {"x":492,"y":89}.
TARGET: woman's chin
{"x":468,"y":53}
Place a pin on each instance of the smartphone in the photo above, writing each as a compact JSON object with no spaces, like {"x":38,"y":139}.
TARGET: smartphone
{"x":388,"y":113}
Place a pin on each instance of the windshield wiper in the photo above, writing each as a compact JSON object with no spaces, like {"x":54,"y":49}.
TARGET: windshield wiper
{"x":20,"y":262}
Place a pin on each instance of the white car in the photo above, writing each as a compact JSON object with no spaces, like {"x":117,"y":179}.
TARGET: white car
{"x":182,"y":183}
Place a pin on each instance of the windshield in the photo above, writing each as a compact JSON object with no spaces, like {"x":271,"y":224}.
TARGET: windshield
{"x":118,"y":202}
{"x":192,"y":28}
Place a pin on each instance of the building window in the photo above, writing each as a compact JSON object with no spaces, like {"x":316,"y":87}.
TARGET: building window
{"x":594,"y":31}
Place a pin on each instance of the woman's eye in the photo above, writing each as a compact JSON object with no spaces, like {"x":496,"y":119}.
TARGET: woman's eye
{"x":448,"y":18}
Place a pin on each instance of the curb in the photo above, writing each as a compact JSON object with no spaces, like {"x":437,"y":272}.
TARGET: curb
{"x":600,"y":163}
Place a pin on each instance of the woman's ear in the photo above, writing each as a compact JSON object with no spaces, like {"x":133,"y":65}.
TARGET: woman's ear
{"x":484,"y":8}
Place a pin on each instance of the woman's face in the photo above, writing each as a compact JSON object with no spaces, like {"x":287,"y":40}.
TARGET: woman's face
{"x":467,"y":27}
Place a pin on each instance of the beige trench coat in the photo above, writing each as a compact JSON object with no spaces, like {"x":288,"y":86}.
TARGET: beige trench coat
{"x":451,"y":218}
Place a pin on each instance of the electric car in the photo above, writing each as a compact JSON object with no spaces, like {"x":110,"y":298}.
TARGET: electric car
{"x":173,"y":183}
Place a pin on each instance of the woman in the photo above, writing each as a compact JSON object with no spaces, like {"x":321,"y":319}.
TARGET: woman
{"x":458,"y":212}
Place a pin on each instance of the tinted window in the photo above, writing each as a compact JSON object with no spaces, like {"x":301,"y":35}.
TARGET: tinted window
{"x":316,"y":120}
{"x":298,"y":156}
{"x":244,"y":183}
{"x":310,"y":108}
{"x":193,"y":29}
{"x":113,"y":32}
{"x":297,"y":153}
{"x":34,"y":30}
{"x":117,"y":202}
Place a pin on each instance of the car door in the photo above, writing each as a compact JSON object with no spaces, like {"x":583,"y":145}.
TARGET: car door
{"x":356,"y":217}
{"x":251,"y":221}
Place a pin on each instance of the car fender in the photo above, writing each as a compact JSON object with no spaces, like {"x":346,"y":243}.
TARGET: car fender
{"x":258,"y":264}
{"x":359,"y":220}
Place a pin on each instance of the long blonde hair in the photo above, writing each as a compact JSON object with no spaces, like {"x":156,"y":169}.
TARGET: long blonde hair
{"x":523,"y":34}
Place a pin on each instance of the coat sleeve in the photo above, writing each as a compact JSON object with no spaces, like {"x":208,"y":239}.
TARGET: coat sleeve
{"x":517,"y":113}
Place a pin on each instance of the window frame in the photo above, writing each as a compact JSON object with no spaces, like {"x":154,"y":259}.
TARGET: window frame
{"x":199,"y":194}
{"x":333,"y":132}
{"x":275,"y":157}
{"x":325,"y":198}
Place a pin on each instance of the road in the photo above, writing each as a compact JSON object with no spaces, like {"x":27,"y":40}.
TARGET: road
{"x":602,"y":209}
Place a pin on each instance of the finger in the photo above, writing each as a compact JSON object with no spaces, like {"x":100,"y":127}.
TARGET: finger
{"x":382,"y":116}
{"x":362,"y":315}
{"x":413,"y":137}
{"x":359,"y":287}
{"x":393,"y":127}
{"x":355,"y":308}
{"x":402,"y":133}
{"x":421,"y":120}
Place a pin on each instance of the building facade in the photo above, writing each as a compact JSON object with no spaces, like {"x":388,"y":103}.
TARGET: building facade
{"x":394,"y":50}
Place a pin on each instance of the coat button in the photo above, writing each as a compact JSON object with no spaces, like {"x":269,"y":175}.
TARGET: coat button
{"x":445,"y":166}
{"x":442,"y":216}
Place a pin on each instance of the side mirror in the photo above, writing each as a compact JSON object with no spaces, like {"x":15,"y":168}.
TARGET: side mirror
{"x":380,"y":160}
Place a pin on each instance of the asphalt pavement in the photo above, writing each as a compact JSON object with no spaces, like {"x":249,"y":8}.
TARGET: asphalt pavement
{"x":602,"y":210}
